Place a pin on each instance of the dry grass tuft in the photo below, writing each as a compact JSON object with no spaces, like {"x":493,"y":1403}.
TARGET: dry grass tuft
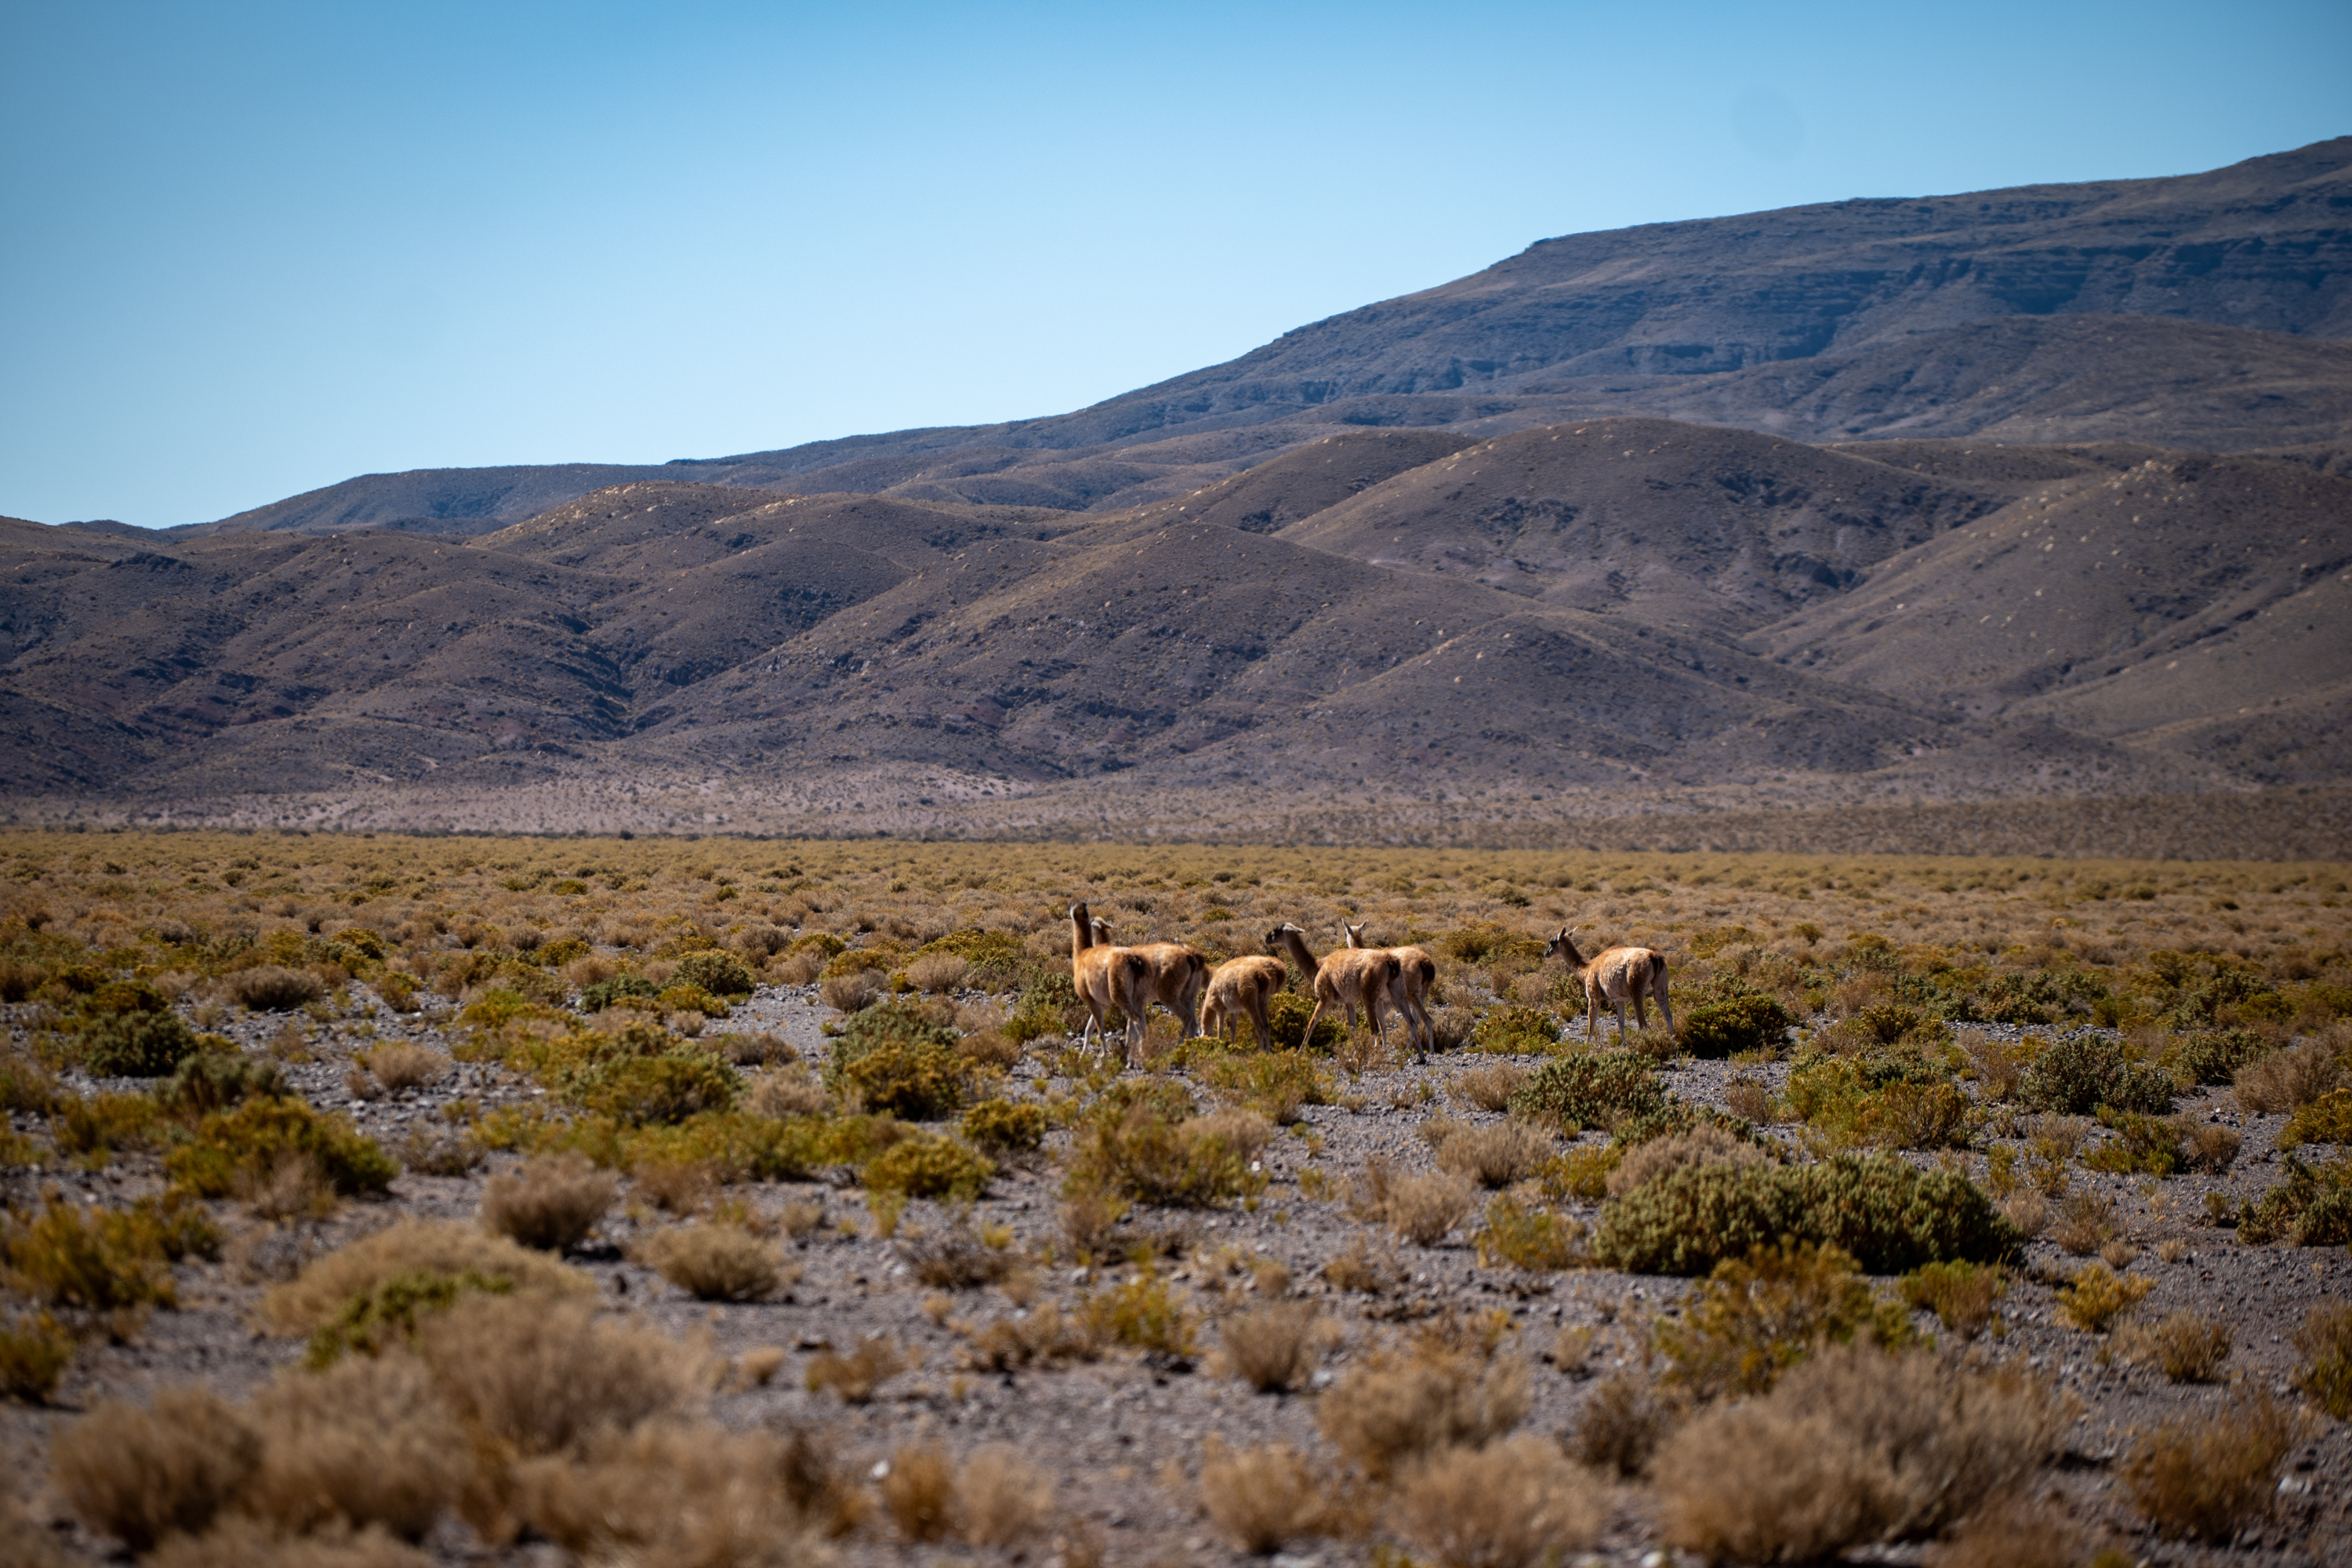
{"x":1516,"y":1504}
{"x":850,"y":993}
{"x":999,"y":1499}
{"x":1043,"y":1338}
{"x":543,"y":1377}
{"x":1961,"y":1294}
{"x":1621,"y":1424}
{"x":1273,"y":1348}
{"x":1421,"y":1208}
{"x":239,"y":1543}
{"x":550,"y":1205}
{"x":787,"y":1092}
{"x":716,"y":1262}
{"x":2097,"y":1297}
{"x":2014,"y":1534}
{"x":2028,"y":1210}
{"x":919,"y":1492}
{"x":952,"y":1258}
{"x":855,"y":1377}
{"x":1261,"y":1499}
{"x":938,"y":971}
{"x":368,"y":1441}
{"x":1393,"y":1409}
{"x":674,"y":1186}
{"x":141,"y":1475}
{"x":271,"y":988}
{"x":2206,"y":1476}
{"x":2326,"y":1341}
{"x":2286,"y":1080}
{"x":2187,"y":1347}
{"x":1702,"y":1145}
{"x":1854,"y":1445}
{"x":1496,"y":1154}
{"x":1488,"y":1086}
{"x":398,"y":1066}
{"x":412,"y":1246}
{"x":670,"y":1495}
{"x":1357,"y":1269}
{"x":2086,"y":1222}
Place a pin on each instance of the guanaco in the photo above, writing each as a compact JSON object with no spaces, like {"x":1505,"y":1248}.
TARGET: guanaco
{"x":1343,"y":977}
{"x":1616,"y":973}
{"x":1175,"y":975}
{"x":1410,"y":991}
{"x":1239,"y":988}
{"x":1105,"y":977}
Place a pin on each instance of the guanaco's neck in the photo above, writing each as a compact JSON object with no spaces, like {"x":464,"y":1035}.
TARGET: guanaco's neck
{"x":1082,"y":935}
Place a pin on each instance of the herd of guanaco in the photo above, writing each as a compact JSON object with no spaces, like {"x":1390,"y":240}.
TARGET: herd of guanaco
{"x":1214,"y":1001}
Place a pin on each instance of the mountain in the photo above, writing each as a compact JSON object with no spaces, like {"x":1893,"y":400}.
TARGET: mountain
{"x":2204,"y":311}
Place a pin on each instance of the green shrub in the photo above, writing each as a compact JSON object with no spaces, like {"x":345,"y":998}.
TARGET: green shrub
{"x":2083,"y":1072}
{"x":215,"y":1081}
{"x":1961,"y":1294}
{"x":684,"y":999}
{"x":374,"y":1320}
{"x":25,"y":1084}
{"x":2326,"y":1341}
{"x":1530,"y":1238}
{"x":1517,"y":1031}
{"x":2312,"y":1207}
{"x":1595,"y":1090}
{"x":1734,"y":1025}
{"x":605,"y":993}
{"x":1275,"y":1084}
{"x":899,"y":1022}
{"x":925,"y":1166}
{"x":997,"y":958}
{"x":1286,"y":1018}
{"x":638,"y":1090}
{"x":716,"y":972}
{"x":1142,"y":1312}
{"x":2097,"y":1297}
{"x":2142,"y":1146}
{"x":1884,"y":1212}
{"x":1677,"y":1117}
{"x":2328,"y":1120}
{"x":1005,"y":1126}
{"x":95,"y":1126}
{"x":1140,"y":1142}
{"x":915,"y":1081}
{"x":134,"y":1044}
{"x":1759,"y":1314}
{"x":100,"y":1260}
{"x":2214,"y":1056}
{"x":1884,"y":1099}
{"x":1483,"y":942}
{"x":251,"y":1142}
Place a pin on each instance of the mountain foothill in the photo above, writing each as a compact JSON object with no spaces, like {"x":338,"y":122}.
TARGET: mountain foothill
{"x":2037,"y":493}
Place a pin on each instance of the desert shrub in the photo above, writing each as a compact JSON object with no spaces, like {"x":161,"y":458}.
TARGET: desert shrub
{"x":2327,"y":1119}
{"x":2081,"y":1073}
{"x":94,"y":1126}
{"x":35,"y":1351}
{"x":1263,"y":1498}
{"x":716,"y":972}
{"x":272,"y":988}
{"x":1677,"y":1117}
{"x":1704,"y":1145}
{"x":1594,"y":1090}
{"x":1140,"y":1143}
{"x":652,"y":1090}
{"x":2142,"y":1145}
{"x":1854,"y":1445}
{"x":2097,"y":1297}
{"x":1272,"y":1347}
{"x":141,"y":1475}
{"x":1734,"y":1025}
{"x":216,"y":1080}
{"x":1043,"y":1338}
{"x":550,"y":1205}
{"x":715,"y":1262}
{"x":918,"y":1491}
{"x":1496,"y":1154}
{"x":1143,"y":1311}
{"x":1286,"y":1017}
{"x":1490,"y":1085}
{"x":1005,"y":1126}
{"x":1275,"y":1084}
{"x":1518,"y":1504}
{"x":853,"y":991}
{"x":1485,"y":941}
{"x":398,"y":1066}
{"x":2186,"y":1347}
{"x":1961,"y":1294}
{"x":369,"y":1441}
{"x":951,"y":1257}
{"x":25,"y":1084}
{"x":790,"y":1093}
{"x":94,"y":1261}
{"x":1756,"y":1317}
{"x":1517,"y":1031}
{"x":2000,"y":1064}
{"x":2206,"y":1476}
{"x":2311,"y":1207}
{"x":2284,"y":1080}
{"x":250,"y":1143}
{"x":679,"y":998}
{"x":1393,"y":1409}
{"x":1886,"y":1212}
{"x":1621,"y":1424}
{"x":412,"y":1247}
{"x":387,"y":1313}
{"x":1421,"y":1208}
{"x":1529,"y":1238}
{"x":934,"y":973}
{"x":928,"y":1167}
{"x":595,"y":998}
{"x":2325,"y":1338}
{"x":1893,"y":1099}
{"x":854,"y":1378}
{"x":2214,"y":1055}
{"x":915,"y":1081}
{"x":134,"y":1044}
{"x":542,"y":1376}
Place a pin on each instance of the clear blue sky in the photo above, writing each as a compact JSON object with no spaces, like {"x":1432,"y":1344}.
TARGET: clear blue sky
{"x":252,"y":249}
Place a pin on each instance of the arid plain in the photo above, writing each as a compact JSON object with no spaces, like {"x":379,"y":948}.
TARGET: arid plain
{"x":738,"y":1201}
